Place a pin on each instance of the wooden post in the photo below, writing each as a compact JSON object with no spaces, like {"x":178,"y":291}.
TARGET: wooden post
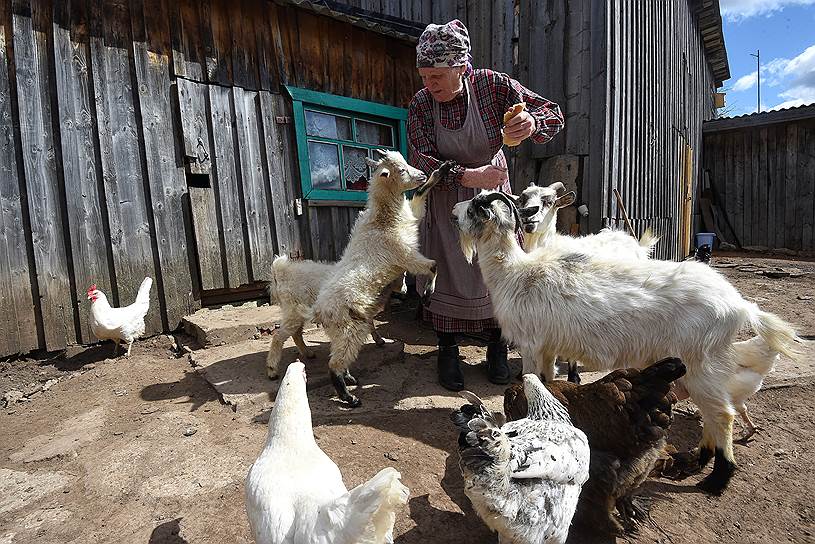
{"x":625,"y":213}
{"x":687,"y":202}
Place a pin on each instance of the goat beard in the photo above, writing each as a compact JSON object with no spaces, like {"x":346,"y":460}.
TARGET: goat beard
{"x":467,"y":246}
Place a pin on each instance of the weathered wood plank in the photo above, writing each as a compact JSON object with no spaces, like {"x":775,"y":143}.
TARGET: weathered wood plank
{"x":281,"y":21}
{"x":300,"y":243}
{"x":747,"y":190}
{"x":80,"y":163}
{"x":309,"y":54}
{"x":761,"y":185}
{"x":215,"y":16}
{"x":282,"y":197}
{"x":122,"y":169}
{"x":192,"y":98}
{"x":31,"y":26}
{"x":242,"y":15}
{"x":164,"y":165}
{"x":503,"y":19}
{"x":769,"y":150}
{"x":601,"y":142}
{"x":17,"y":318}
{"x":187,"y":40}
{"x":225,"y":182}
{"x":806,"y":173}
{"x":268,"y":69}
{"x":780,"y":187}
{"x":737,"y":215}
{"x":255,"y":190}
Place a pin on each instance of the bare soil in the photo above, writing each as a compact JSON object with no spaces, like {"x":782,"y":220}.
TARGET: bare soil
{"x":142,"y":449}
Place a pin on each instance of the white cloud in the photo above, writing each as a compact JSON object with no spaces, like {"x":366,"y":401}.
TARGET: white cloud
{"x":735,"y":10}
{"x":745,"y":82}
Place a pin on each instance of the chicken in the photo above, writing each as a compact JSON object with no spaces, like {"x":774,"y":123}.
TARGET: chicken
{"x":523,"y":477}
{"x":119,"y":324}
{"x":295,"y":493}
{"x":625,"y":416}
{"x":755,"y":359}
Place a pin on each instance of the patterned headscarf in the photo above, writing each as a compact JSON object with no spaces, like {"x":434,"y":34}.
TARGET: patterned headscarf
{"x":442,"y":46}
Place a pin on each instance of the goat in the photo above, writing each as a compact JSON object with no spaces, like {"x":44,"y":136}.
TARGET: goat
{"x":612,"y":312}
{"x":384,"y":243}
{"x":538,"y":206}
{"x":294,"y":287}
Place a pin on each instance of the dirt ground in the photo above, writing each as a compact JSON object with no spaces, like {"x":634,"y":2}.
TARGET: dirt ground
{"x":142,"y":450}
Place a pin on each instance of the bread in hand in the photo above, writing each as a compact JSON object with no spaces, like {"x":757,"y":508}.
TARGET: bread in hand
{"x":515,"y":110}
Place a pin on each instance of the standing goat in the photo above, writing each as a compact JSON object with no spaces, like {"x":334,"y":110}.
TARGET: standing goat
{"x":384,"y":243}
{"x":612,"y":312}
{"x":539,"y":206}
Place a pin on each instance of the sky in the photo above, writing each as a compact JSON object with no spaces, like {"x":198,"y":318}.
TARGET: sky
{"x":784,"y":32}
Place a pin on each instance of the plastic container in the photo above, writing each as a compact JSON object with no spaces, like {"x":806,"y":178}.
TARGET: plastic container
{"x":705,"y":239}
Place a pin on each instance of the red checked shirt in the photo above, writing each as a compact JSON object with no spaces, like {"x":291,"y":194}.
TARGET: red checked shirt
{"x":496,"y":93}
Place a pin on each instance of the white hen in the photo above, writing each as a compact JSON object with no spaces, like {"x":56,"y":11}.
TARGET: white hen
{"x":295,"y":493}
{"x":124,"y":324}
{"x":523,"y":477}
{"x":755,"y":360}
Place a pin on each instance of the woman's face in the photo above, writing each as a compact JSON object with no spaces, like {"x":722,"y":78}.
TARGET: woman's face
{"x":444,"y":84}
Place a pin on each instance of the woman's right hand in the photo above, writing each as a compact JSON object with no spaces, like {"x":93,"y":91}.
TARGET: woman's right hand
{"x":484,"y":177}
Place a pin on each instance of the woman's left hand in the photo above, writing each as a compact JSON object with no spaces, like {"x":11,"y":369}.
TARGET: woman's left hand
{"x":520,"y":127}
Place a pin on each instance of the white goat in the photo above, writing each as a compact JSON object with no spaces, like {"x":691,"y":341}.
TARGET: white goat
{"x":614,"y":313}
{"x":294,"y":287}
{"x":384,"y":243}
{"x":538,"y":207}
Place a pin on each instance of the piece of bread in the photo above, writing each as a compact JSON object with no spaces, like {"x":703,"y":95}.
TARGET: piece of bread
{"x":516,"y":109}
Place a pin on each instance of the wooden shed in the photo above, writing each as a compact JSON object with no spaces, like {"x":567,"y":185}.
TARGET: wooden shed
{"x":761,"y":173}
{"x":192,"y":140}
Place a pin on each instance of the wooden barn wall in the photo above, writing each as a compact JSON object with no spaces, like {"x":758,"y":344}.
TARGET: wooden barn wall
{"x":143,"y":137}
{"x":764,"y":176}
{"x":634,"y":86}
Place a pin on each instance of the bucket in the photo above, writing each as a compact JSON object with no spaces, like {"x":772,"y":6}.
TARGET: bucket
{"x":705,"y":239}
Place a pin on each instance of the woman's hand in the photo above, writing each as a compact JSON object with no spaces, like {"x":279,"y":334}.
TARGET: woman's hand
{"x":520,"y":127}
{"x":484,"y":177}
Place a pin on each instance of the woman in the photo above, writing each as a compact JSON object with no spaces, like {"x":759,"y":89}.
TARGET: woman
{"x":459,"y":116}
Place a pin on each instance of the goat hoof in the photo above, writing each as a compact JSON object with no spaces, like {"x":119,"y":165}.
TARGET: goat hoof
{"x":349,"y":379}
{"x":273,"y":374}
{"x":353,"y":402}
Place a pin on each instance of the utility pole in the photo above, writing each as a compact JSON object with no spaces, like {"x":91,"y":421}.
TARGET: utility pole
{"x":758,"y":77}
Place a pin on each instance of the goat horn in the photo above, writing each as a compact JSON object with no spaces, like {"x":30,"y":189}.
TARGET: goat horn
{"x":557,"y":186}
{"x":492,"y":197}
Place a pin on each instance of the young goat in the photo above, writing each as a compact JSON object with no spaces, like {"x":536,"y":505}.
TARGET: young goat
{"x":384,"y":243}
{"x":294,"y":287}
{"x":614,"y":313}
{"x":538,"y":206}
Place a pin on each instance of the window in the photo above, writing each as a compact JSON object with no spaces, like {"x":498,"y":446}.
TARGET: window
{"x":335,"y":135}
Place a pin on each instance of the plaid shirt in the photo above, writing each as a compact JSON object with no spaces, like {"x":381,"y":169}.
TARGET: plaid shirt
{"x":496,"y":93}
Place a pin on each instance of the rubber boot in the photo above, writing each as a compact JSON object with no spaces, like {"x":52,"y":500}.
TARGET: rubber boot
{"x":497,"y":367}
{"x":449,"y":366}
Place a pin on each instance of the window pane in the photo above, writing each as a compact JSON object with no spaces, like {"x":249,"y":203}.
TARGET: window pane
{"x":374,"y":133}
{"x":326,"y":125}
{"x":355,"y":168}
{"x":324,"y":163}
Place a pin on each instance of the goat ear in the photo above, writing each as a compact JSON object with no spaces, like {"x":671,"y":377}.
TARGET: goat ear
{"x":566,"y":200}
{"x":384,"y":173}
{"x":557,"y":186}
{"x":529,"y":212}
{"x":532,"y":184}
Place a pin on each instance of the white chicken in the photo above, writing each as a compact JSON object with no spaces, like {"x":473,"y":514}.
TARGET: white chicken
{"x":124,"y":324}
{"x":523,"y":477}
{"x":295,"y":493}
{"x":755,"y":360}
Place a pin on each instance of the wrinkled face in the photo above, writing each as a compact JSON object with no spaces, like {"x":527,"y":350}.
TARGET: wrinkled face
{"x":444,"y":84}
{"x":393,"y":171}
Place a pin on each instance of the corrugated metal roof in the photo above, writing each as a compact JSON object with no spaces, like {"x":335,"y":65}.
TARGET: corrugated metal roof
{"x":797,"y":113}
{"x":388,"y":25}
{"x":710,"y":27}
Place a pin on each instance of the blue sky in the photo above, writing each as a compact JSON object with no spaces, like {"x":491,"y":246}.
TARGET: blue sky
{"x":784,"y":31}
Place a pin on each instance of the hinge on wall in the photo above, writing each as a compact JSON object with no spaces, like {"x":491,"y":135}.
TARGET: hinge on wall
{"x":282,"y":119}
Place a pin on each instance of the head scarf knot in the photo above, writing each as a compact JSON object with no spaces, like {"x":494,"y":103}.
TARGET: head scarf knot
{"x":443,"y":46}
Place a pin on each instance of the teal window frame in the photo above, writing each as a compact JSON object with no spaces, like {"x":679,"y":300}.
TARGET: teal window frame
{"x":303,"y":99}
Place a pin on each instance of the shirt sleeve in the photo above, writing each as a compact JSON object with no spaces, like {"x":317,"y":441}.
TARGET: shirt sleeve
{"x":547,"y":114}
{"x":422,"y":150}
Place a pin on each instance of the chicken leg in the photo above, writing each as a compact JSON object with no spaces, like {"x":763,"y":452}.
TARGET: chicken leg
{"x":115,"y":347}
{"x":749,"y":428}
{"x":129,"y":346}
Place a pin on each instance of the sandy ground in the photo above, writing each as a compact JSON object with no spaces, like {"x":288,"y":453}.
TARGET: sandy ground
{"x":142,"y":450}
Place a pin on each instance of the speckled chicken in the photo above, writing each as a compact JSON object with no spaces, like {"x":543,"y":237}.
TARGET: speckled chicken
{"x":625,"y":416}
{"x":523,"y":477}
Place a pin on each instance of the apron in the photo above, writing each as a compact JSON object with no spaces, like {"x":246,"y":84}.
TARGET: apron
{"x":460,"y":291}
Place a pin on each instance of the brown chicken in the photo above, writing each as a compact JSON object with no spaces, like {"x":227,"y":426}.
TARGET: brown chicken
{"x":625,"y":416}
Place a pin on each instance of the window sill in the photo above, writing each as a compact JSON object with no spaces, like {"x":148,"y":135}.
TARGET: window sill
{"x":339,"y":203}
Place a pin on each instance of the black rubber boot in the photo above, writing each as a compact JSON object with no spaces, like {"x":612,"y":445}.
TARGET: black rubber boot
{"x":497,"y":367}
{"x":450,"y":376}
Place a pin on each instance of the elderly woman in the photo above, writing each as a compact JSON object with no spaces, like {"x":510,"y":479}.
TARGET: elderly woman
{"x":458,"y":116}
